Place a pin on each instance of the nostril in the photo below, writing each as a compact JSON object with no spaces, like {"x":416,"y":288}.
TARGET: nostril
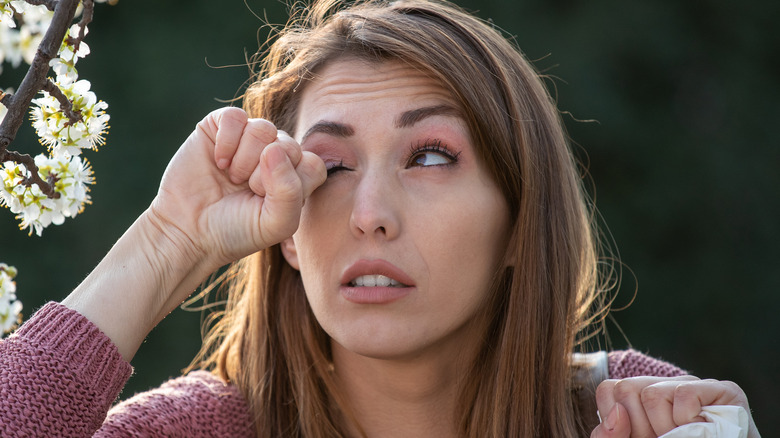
{"x":382,"y":229}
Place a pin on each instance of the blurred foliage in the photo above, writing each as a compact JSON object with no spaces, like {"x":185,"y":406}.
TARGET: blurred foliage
{"x":669,"y":104}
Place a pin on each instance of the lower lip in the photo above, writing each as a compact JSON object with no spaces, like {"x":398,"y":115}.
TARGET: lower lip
{"x":374,"y":295}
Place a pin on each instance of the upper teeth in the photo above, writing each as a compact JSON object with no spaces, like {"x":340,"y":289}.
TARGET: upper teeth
{"x":374,"y":280}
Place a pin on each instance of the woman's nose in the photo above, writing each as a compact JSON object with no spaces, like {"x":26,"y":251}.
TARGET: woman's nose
{"x":375,"y":209}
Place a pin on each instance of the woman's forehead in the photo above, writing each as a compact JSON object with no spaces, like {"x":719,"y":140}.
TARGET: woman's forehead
{"x":391,"y":85}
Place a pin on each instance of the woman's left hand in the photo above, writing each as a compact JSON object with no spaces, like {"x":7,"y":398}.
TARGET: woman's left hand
{"x":641,"y":407}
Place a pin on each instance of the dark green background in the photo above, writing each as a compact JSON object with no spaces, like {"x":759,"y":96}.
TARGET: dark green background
{"x":683,"y":98}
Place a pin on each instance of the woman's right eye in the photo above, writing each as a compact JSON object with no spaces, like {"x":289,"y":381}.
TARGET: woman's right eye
{"x":335,"y":167}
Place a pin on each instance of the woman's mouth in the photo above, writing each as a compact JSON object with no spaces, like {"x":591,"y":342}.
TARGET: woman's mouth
{"x":374,"y":281}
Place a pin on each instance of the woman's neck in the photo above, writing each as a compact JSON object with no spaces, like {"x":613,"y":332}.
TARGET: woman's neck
{"x":410,"y":397}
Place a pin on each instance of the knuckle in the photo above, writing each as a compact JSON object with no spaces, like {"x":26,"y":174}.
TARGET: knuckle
{"x":651,"y":396}
{"x":735,"y":391}
{"x":208,"y":126}
{"x":293,"y":153}
{"x":730,"y":385}
{"x":258,"y":137}
{"x":232,"y":115}
{"x":688,"y":378}
{"x":684,"y":392}
{"x":206,"y":122}
{"x":624,"y":389}
{"x":604,"y":390}
{"x":261,"y":131}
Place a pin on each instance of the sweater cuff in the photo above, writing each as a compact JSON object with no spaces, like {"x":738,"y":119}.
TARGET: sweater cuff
{"x":73,"y":339}
{"x":631,"y":363}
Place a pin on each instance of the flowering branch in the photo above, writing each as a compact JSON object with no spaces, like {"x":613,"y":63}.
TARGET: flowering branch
{"x":68,"y":117}
{"x":34,"y":80}
{"x":46,"y":189}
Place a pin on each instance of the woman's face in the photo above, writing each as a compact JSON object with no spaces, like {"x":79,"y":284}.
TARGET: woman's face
{"x":397,"y":249}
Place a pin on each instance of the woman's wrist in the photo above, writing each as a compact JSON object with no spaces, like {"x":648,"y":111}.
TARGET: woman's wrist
{"x":151,"y":269}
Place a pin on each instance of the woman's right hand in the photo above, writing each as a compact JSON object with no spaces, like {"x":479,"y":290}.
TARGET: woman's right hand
{"x":235,"y":186}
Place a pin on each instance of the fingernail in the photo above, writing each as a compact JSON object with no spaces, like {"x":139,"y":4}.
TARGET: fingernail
{"x":612,"y":418}
{"x":223,"y":163}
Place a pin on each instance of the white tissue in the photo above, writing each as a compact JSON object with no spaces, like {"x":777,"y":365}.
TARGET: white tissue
{"x":722,"y":422}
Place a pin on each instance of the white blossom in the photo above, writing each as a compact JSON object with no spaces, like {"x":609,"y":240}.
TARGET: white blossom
{"x":68,"y":175}
{"x":10,"y":307}
{"x":20,"y":41}
{"x":6,"y":14}
{"x":64,"y":65}
{"x":55,"y":130}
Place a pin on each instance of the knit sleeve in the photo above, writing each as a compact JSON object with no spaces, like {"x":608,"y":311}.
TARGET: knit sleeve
{"x":197,"y":405}
{"x":59,"y":374}
{"x":631,"y":363}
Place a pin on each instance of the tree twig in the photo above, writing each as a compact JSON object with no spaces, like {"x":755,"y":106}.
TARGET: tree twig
{"x":34,"y":178}
{"x":86,"y":18}
{"x":65,"y":105}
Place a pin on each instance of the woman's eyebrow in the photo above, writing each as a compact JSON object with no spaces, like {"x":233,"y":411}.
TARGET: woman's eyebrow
{"x":409,"y":118}
{"x":405,"y":120}
{"x":330,"y":128}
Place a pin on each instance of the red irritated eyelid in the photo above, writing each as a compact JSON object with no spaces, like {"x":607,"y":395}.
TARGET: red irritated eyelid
{"x":327,"y":152}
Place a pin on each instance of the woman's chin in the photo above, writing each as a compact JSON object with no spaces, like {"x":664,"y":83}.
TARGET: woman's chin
{"x":389,"y":347}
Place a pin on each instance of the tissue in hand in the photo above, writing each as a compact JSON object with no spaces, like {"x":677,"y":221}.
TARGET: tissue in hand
{"x":722,"y":422}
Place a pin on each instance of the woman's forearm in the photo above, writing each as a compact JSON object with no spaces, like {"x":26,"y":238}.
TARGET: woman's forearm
{"x":148,"y":272}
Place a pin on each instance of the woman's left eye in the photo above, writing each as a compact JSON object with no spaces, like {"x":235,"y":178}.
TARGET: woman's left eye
{"x":431,"y":155}
{"x":428,"y":158}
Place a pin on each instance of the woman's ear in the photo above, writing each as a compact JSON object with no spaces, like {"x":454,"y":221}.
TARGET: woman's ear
{"x":290,"y":253}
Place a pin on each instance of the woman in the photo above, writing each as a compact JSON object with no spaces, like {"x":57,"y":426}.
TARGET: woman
{"x":418,"y":258}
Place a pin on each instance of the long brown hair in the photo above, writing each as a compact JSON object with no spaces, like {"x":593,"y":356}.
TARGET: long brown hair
{"x":267,"y":340}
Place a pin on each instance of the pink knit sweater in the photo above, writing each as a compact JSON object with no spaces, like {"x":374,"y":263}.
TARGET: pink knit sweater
{"x":59,"y":375}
